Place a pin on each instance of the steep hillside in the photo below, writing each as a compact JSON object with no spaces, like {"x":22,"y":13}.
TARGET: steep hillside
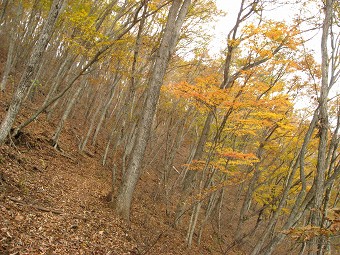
{"x":122,"y":133}
{"x":55,"y":202}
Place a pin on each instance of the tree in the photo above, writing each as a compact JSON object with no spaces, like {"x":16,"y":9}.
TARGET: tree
{"x":90,"y":57}
{"x":176,"y":16}
{"x":313,"y":193}
{"x":28,"y":74}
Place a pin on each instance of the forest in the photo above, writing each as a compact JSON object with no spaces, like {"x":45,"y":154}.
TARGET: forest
{"x":131,"y":127}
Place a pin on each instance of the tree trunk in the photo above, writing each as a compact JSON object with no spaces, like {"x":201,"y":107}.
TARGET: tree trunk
{"x":28,"y":74}
{"x":3,"y":9}
{"x":67,"y":111}
{"x":13,"y":41}
{"x":64,"y":68}
{"x":323,"y":114}
{"x":176,"y":17}
{"x":199,"y":150}
{"x":193,"y":222}
{"x":89,"y":131}
{"x":105,"y":109}
{"x":10,"y":62}
{"x":323,"y":125}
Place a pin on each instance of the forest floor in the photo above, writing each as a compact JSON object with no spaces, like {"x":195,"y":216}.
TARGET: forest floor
{"x":55,"y":202}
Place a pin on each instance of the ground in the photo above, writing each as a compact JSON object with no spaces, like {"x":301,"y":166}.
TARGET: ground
{"x":55,"y":201}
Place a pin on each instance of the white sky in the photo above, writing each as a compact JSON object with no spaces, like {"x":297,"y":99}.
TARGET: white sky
{"x":282,"y":13}
{"x":231,"y":7}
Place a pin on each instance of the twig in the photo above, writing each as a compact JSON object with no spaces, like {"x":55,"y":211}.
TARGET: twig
{"x":67,"y":156}
{"x":41,"y":208}
{"x":13,"y":144}
{"x":173,"y":167}
{"x":154,"y":242}
{"x":44,"y":209}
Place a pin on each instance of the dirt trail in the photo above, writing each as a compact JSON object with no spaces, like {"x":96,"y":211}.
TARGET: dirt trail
{"x":53,"y":202}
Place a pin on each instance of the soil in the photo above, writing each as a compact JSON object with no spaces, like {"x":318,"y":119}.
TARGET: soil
{"x":55,"y":201}
{"x":58,"y":200}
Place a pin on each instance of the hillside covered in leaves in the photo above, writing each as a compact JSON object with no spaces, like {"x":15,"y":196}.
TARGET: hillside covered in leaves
{"x":123,"y":133}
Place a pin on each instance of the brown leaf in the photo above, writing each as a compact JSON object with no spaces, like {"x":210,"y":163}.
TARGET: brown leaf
{"x":19,"y":217}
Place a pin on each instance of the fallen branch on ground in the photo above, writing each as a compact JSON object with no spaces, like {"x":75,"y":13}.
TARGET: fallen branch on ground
{"x":44,"y":209}
{"x":41,"y":208}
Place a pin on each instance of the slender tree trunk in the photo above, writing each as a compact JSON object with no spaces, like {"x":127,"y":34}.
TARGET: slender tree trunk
{"x":323,"y":126}
{"x":28,"y":74}
{"x":199,"y":150}
{"x":13,"y":41}
{"x":10,"y":62}
{"x":105,"y":109}
{"x":89,"y":131}
{"x":176,"y":17}
{"x":113,"y":133}
{"x":193,"y":222}
{"x":60,"y":75}
{"x":172,"y":146}
{"x":67,"y":111}
{"x":36,"y":82}
{"x":214,"y":198}
{"x":3,"y":9}
{"x":108,"y":144}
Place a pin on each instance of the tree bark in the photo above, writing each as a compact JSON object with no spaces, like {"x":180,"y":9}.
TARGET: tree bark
{"x":3,"y":9}
{"x":105,"y":108}
{"x":323,"y":114}
{"x":66,"y":113}
{"x":13,"y":41}
{"x":323,"y":124}
{"x":10,"y":62}
{"x":29,"y":72}
{"x":176,"y":17}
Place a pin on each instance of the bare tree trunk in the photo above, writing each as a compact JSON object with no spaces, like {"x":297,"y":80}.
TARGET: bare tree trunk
{"x":60,"y":75}
{"x":10,"y":62}
{"x":176,"y":17}
{"x":323,"y":116}
{"x":92,"y":95}
{"x":108,"y":144}
{"x":37,"y":81}
{"x":113,"y":133}
{"x":170,"y":153}
{"x":188,"y":179}
{"x":4,"y":4}
{"x":105,"y":109}
{"x":28,"y":74}
{"x":89,"y":131}
{"x":317,"y":214}
{"x":67,"y":111}
{"x":214,"y":198}
{"x":193,"y":222}
{"x":11,"y":54}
